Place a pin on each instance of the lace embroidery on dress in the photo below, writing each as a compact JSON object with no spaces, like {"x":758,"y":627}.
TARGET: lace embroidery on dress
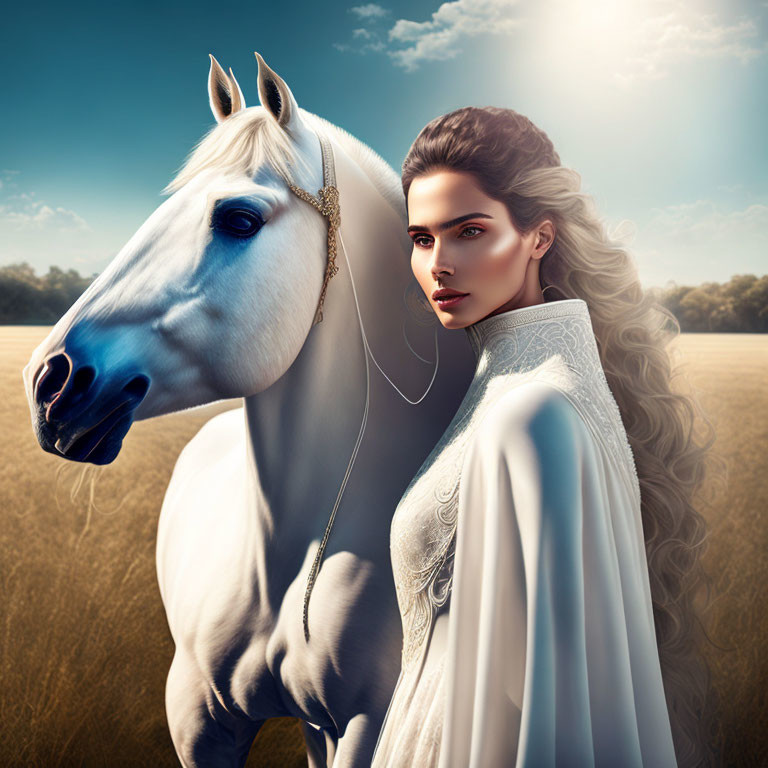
{"x":552,"y":342}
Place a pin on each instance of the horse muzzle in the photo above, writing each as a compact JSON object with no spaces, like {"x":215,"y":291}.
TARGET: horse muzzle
{"x":81,"y":414}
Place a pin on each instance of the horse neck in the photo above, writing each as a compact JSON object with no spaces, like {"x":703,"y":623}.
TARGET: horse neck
{"x":302,"y":430}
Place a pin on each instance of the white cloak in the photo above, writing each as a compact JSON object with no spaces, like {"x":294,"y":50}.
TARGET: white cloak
{"x":550,"y":657}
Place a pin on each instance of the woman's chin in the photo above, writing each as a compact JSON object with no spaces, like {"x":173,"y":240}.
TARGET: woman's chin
{"x":453,"y":320}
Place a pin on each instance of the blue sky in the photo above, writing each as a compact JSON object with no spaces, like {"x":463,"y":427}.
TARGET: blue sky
{"x":661,"y":106}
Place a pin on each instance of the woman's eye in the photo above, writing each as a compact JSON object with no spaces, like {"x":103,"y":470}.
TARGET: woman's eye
{"x":474,"y":230}
{"x":422,"y":241}
{"x":239,"y":222}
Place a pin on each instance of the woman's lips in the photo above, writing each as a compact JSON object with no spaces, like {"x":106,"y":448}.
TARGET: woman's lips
{"x":448,"y":302}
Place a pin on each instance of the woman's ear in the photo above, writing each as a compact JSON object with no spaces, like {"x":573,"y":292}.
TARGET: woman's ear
{"x":545,"y":236}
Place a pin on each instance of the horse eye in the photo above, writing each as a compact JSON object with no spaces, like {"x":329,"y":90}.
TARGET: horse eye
{"x":239,"y":222}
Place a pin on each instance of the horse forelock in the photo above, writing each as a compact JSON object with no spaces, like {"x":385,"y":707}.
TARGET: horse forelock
{"x":241,"y":144}
{"x":251,"y":139}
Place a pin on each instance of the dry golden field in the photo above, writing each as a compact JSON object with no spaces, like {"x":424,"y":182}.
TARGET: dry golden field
{"x":85,"y":647}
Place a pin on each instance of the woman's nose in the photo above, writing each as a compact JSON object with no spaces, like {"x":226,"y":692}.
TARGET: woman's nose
{"x":441,"y":261}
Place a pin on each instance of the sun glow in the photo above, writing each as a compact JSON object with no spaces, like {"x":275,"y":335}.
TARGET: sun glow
{"x":598,"y":36}
{"x":625,"y":41}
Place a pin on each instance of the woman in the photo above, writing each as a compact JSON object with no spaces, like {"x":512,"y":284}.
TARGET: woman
{"x":546,"y":554}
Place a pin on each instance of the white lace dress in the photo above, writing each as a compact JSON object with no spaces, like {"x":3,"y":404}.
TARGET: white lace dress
{"x":521,"y":576}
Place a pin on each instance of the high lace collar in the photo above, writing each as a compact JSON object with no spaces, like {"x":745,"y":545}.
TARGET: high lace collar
{"x":508,"y":322}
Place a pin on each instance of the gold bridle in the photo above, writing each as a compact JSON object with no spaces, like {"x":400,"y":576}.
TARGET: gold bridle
{"x":327,"y":203}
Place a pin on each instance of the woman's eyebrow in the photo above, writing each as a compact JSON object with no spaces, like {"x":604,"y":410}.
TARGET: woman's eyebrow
{"x":451,"y":223}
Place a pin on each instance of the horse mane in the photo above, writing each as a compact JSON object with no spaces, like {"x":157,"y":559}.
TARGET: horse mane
{"x":252,"y":138}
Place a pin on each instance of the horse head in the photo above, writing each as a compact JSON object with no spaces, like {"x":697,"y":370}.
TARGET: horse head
{"x":214,"y":295}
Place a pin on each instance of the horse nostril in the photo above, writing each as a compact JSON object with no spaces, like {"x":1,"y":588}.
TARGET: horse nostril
{"x":137,"y":387}
{"x":52,"y":377}
{"x":83,"y":378}
{"x":77,"y":387}
{"x":62,"y":389}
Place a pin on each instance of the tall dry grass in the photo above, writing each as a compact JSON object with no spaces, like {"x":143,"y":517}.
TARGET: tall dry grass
{"x":728,"y":373}
{"x":85,"y":647}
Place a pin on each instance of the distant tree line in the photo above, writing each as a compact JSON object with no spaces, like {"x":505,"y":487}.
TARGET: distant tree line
{"x":740,"y":305}
{"x":29,"y":299}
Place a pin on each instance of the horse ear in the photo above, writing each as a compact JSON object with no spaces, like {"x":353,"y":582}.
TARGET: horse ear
{"x":224,"y":93}
{"x":238,"y":100}
{"x":276,"y":96}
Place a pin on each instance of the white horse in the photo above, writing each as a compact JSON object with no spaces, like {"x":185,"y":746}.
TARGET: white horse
{"x":214,"y":297}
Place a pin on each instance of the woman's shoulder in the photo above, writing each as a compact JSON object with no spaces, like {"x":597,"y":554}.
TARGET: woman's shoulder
{"x":536,"y":413}
{"x":531,"y":446}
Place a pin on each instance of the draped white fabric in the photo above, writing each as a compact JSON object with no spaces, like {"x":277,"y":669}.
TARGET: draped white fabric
{"x":551,"y":652}
{"x":537,"y":646}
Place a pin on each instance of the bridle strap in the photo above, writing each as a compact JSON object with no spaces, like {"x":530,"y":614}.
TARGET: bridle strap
{"x":327,"y":203}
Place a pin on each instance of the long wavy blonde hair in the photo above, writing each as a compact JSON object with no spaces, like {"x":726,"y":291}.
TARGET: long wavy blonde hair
{"x":515,"y":162}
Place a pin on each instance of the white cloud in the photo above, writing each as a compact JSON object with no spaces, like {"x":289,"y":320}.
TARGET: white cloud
{"x":626,"y":41}
{"x":623,"y":42}
{"x":7,"y":178}
{"x":439,"y":38}
{"x":409,"y":43}
{"x":365,"y":38}
{"x":704,"y":221}
{"x":679,"y":32}
{"x":369,"y":11}
{"x":24,"y":212}
{"x":695,"y":242}
{"x":43,"y":233}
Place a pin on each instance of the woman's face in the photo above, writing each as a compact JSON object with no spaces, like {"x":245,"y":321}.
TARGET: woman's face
{"x":465,"y":244}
